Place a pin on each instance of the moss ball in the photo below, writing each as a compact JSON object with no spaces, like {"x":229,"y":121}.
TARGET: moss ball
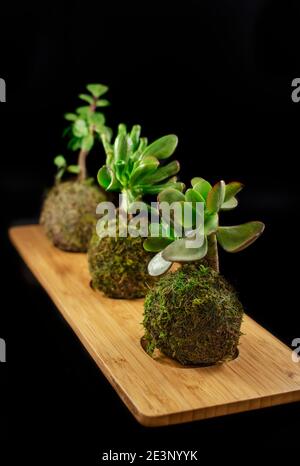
{"x":69,"y":214}
{"x":194,"y":316}
{"x":118,"y":266}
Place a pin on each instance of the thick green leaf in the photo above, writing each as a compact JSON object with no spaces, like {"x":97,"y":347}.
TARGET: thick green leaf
{"x":156,"y":244}
{"x":107,"y":179}
{"x":231,"y":204}
{"x":87,"y":98}
{"x":102,"y":103}
{"x":120,"y":166}
{"x":60,"y":161}
{"x":162,"y":173}
{"x":70,"y":116}
{"x":74,"y":169}
{"x":232,"y":189}
{"x":158,"y":188}
{"x":211,"y":224}
{"x":97,"y":89}
{"x":192,"y":195}
{"x":171,"y":195}
{"x":104,"y":177}
{"x":146,"y":166}
{"x":201,"y":186}
{"x":215,"y":198}
{"x":80,"y":128}
{"x":158,"y":266}
{"x":162,"y":148}
{"x":237,"y":238}
{"x":135,"y":136}
{"x":87,"y":142}
{"x":120,"y":147}
{"x":179,"y":252}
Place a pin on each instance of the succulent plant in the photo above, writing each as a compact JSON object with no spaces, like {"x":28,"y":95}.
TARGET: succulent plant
{"x":134,"y":168}
{"x":87,"y":125}
{"x":118,"y":265}
{"x":171,"y":248}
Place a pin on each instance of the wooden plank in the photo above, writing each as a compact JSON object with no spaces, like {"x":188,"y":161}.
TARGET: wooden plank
{"x":157,"y":391}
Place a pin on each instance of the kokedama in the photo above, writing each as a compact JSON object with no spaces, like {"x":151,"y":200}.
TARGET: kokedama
{"x":118,"y":265}
{"x":193,"y":314}
{"x":69,"y":210}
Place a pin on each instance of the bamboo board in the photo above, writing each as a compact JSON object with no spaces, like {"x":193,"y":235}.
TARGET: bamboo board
{"x":157,"y":391}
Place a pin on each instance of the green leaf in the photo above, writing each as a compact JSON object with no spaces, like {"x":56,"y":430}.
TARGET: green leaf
{"x":171,"y":195}
{"x":162,"y":148}
{"x":120,"y":147}
{"x":83,"y":111}
{"x":87,"y":98}
{"x":60,"y":161}
{"x":201,"y":186}
{"x":179,"y":252}
{"x":162,"y":173}
{"x":146,"y":166}
{"x":135,"y":136}
{"x":158,"y":188}
{"x":156,"y":244}
{"x":232,"y":189}
{"x":211,"y":224}
{"x":97,"y":119}
{"x":231,"y":204}
{"x":70,"y":116}
{"x":192,"y":195}
{"x":74,"y":169}
{"x":107,"y":180}
{"x":120,"y":166}
{"x":237,"y":238}
{"x":80,"y":128}
{"x":97,"y":89}
{"x":158,"y":266}
{"x":102,"y":103}
{"x":87,"y":142}
{"x":215,"y":198}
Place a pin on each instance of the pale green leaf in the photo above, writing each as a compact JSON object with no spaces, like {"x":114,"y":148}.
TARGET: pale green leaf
{"x":215,"y":198}
{"x":97,"y":89}
{"x":162,"y":148}
{"x":237,"y":238}
{"x":179,"y":252}
{"x":158,"y":266}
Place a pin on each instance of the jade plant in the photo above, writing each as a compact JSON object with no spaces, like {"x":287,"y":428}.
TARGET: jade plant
{"x":133,"y":168}
{"x":68,"y":213}
{"x":193,"y":314}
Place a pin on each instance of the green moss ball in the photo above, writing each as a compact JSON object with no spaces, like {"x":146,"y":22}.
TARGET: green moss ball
{"x":118,"y":266}
{"x":194,"y":316}
{"x":69,"y":214}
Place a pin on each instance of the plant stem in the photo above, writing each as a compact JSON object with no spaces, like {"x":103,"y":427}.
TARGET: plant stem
{"x":84,"y":153}
{"x":212,"y":254}
{"x":82,"y":164}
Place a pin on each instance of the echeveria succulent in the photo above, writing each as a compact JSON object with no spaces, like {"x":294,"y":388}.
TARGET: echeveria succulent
{"x":133,"y":167}
{"x":214,"y":199}
{"x":87,"y":124}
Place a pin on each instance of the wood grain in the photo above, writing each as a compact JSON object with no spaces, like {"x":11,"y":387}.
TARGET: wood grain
{"x":157,"y":391}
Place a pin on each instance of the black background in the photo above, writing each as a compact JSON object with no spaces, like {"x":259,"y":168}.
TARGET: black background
{"x":217,"y":73}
